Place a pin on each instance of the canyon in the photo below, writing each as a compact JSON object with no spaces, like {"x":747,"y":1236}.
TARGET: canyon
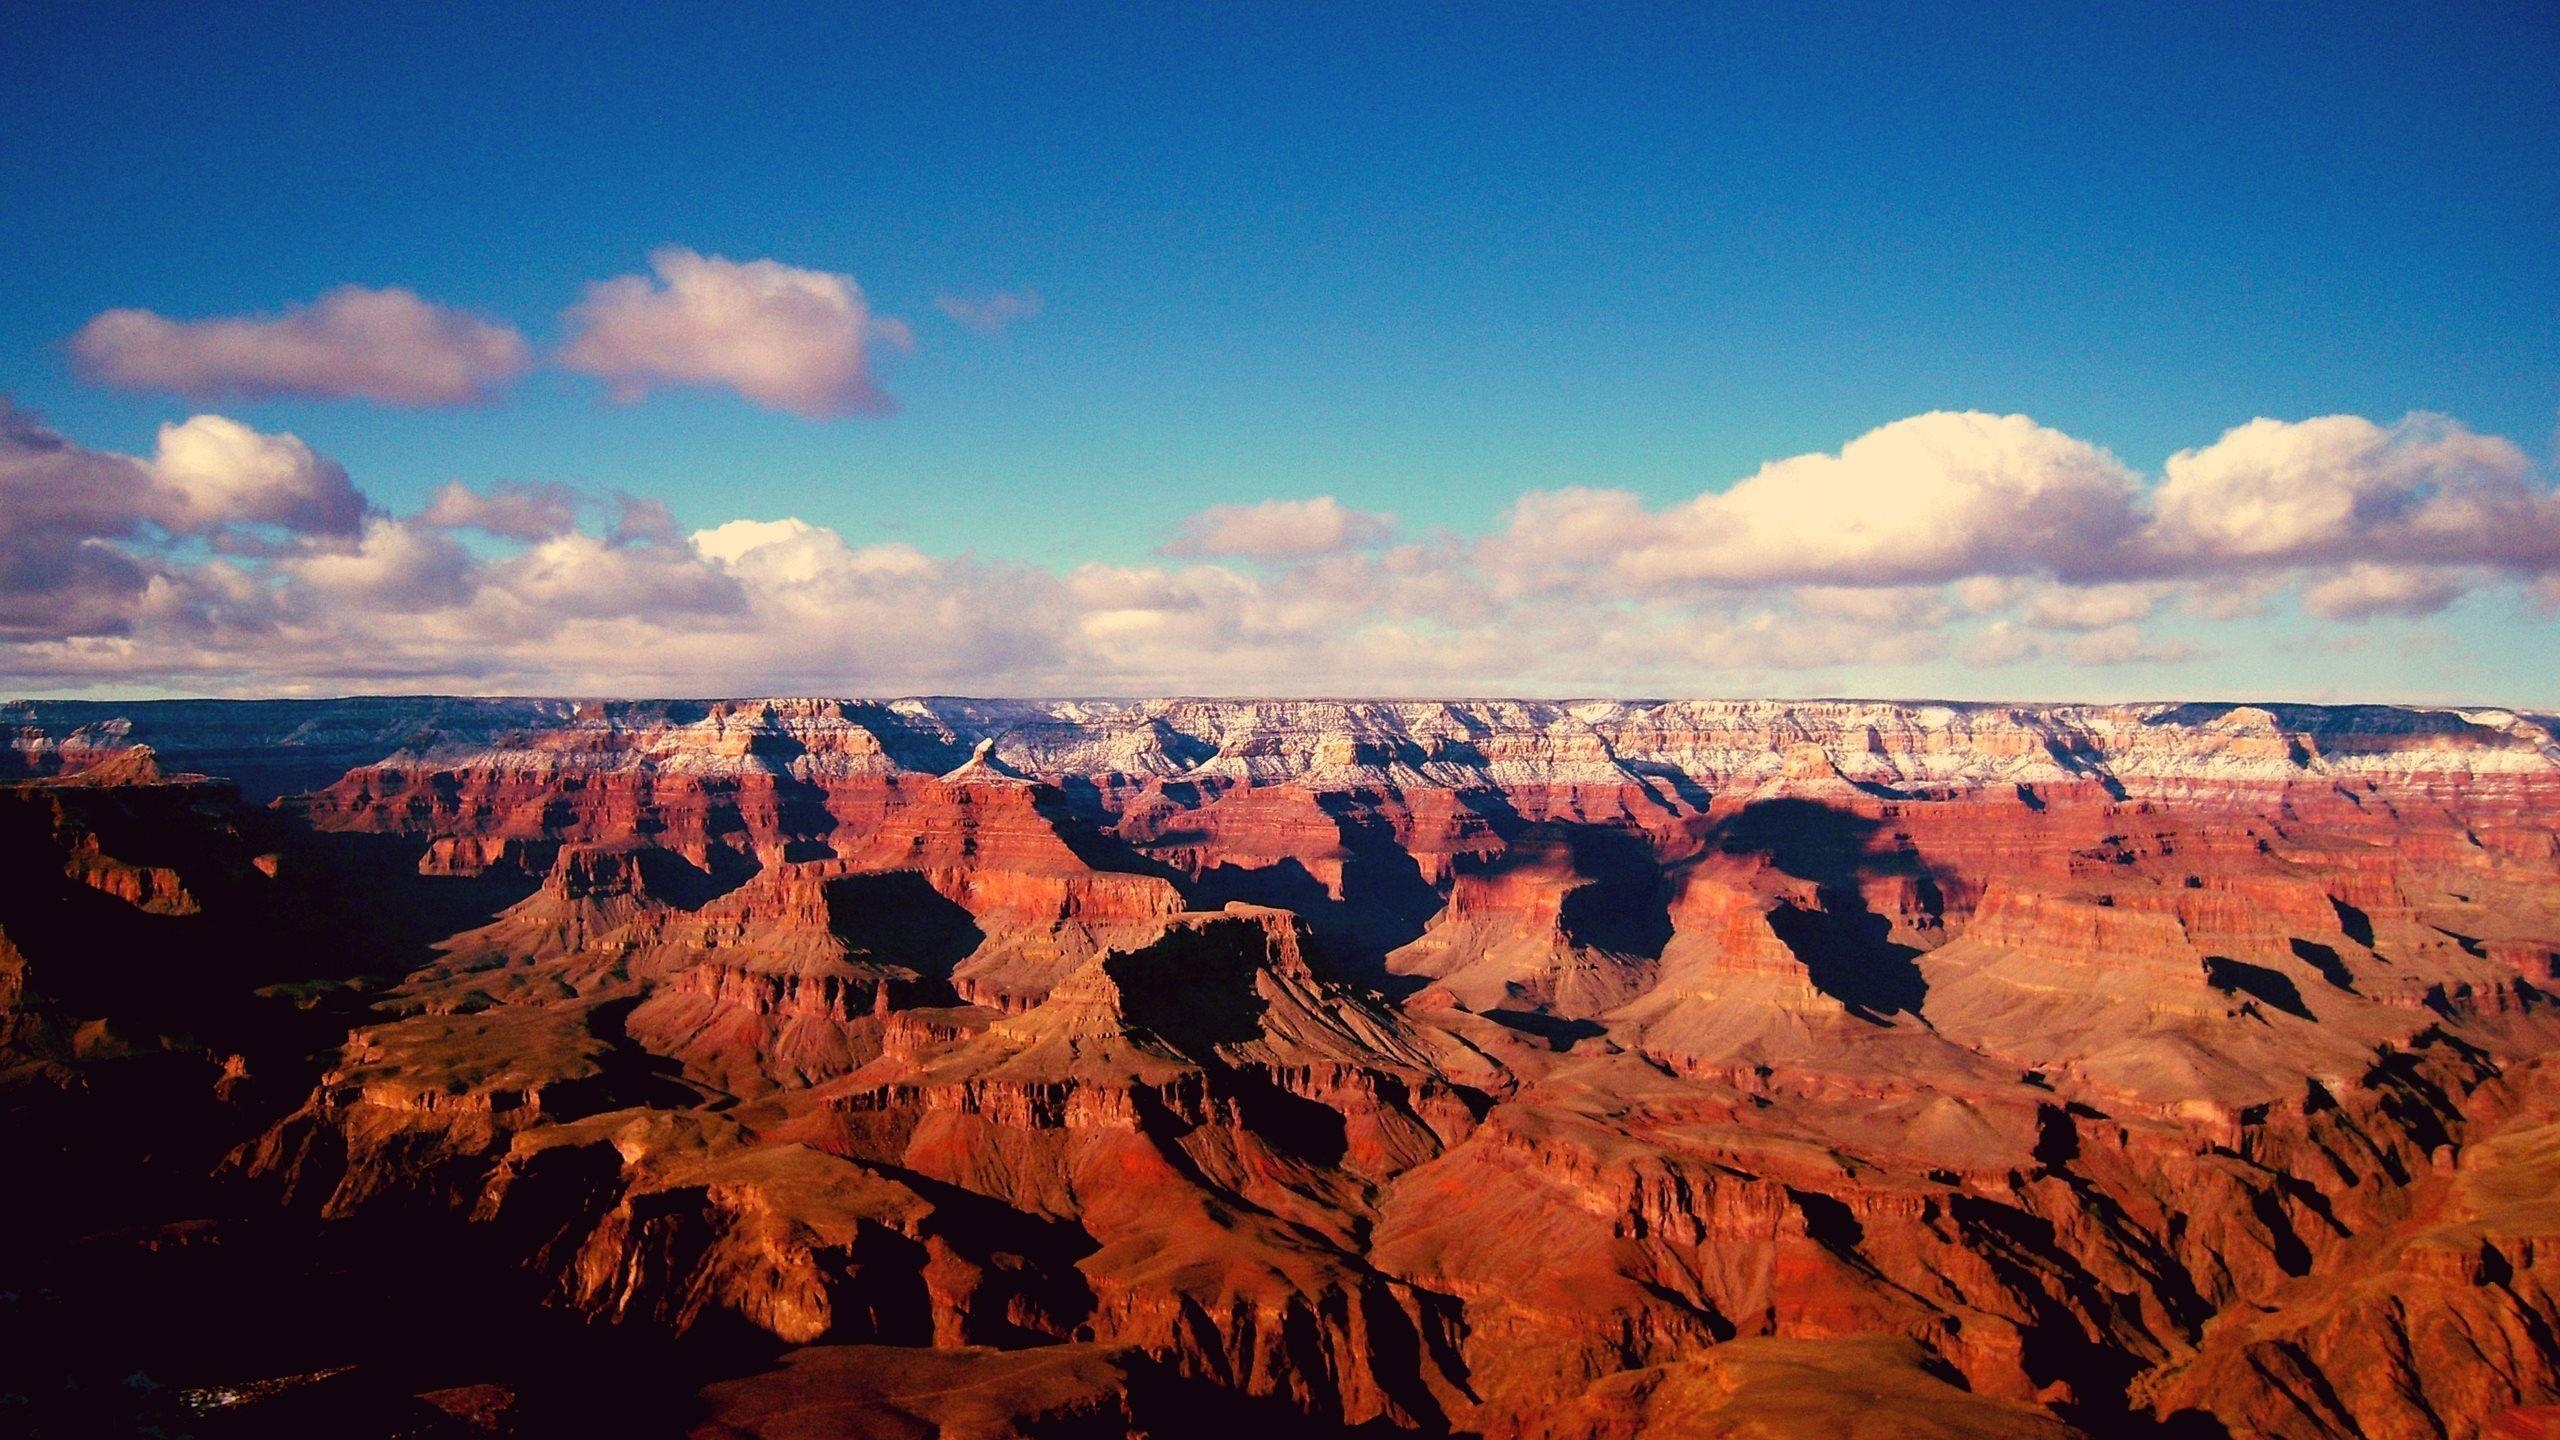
{"x":1579,"y":1070}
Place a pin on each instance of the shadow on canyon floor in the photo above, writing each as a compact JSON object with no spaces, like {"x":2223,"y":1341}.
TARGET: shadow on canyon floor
{"x":1847,"y":949}
{"x":1623,"y":910}
{"x":1385,"y":903}
{"x":321,"y":1330}
{"x":388,"y":917}
{"x":896,"y":917}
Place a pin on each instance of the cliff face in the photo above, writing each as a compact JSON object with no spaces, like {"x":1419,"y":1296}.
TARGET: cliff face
{"x":1513,"y":1068}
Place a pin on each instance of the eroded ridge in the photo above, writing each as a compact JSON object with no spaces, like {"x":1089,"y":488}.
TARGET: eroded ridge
{"x":1502,"y":1068}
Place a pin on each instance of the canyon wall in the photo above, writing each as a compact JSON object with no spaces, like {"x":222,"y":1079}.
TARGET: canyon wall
{"x":1504,"y":1068}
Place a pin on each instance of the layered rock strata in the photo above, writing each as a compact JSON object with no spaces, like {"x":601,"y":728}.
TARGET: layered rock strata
{"x":1506,"y":1068}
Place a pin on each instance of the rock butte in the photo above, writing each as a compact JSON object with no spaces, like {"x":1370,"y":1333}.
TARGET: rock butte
{"x":1505,"y":1068}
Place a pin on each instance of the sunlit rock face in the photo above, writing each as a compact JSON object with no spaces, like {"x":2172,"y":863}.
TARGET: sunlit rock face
{"x":1599,"y":1068}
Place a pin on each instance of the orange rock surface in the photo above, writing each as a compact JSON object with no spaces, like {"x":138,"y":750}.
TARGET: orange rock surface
{"x":1508,"y":1069}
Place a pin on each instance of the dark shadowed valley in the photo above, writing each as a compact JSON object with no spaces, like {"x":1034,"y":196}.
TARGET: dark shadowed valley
{"x":783,"y":1068}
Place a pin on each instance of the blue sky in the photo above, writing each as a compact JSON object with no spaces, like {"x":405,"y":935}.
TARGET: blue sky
{"x":1405,"y":257}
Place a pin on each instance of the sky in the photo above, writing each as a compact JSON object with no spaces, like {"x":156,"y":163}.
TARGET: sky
{"x":1974,"y":352}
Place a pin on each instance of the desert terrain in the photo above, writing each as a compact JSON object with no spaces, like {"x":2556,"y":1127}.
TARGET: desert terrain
{"x":798,"y":1067}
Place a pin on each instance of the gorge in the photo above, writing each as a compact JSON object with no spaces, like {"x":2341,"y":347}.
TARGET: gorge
{"x":942,"y":1067}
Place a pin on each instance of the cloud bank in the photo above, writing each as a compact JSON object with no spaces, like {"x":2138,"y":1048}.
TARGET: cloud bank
{"x":231,"y":560}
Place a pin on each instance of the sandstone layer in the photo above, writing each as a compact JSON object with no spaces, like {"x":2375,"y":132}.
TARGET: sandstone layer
{"x":1556,"y":1069}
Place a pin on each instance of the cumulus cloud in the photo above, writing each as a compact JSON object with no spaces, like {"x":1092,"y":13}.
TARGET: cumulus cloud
{"x":2007,"y":642}
{"x":790,"y":550}
{"x":1933,"y":498}
{"x":78,"y":527}
{"x":216,"y":472}
{"x":516,"y":509}
{"x":1568,"y":538}
{"x":587,"y":576}
{"x":395,"y":566}
{"x":61,"y":510}
{"x":2003,"y":642}
{"x":2361,"y":592}
{"x":2341,"y":489}
{"x":2091,"y":607}
{"x":784,"y":337}
{"x":2007,"y":509}
{"x":2124,"y":645}
{"x":2367,"y":519}
{"x":1278,"y":529}
{"x":1907,"y":605}
{"x":387,"y":345}
{"x":987,"y":314}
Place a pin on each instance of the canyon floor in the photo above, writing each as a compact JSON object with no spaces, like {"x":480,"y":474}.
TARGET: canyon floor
{"x":809,"y":1067}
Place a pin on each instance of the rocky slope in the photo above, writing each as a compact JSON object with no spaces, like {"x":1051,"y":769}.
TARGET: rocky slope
{"x":1504,"y":1068}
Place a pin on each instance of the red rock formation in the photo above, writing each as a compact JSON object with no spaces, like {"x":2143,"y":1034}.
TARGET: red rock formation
{"x":1622,"y":1069}
{"x":1558,"y":923}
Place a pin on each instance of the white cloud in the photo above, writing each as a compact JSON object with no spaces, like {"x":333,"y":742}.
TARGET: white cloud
{"x":2232,"y":597}
{"x":638,"y":521}
{"x":2091,"y":607}
{"x":1915,"y":606}
{"x":77,"y":526}
{"x":1566,"y":539}
{"x":2124,"y":645}
{"x":2002,"y":642}
{"x":794,"y":553}
{"x":386,"y":345}
{"x":2007,"y":509}
{"x":578,"y":574}
{"x":1986,"y":594}
{"x":395,"y":566}
{"x":2343,"y":489}
{"x":803,"y":542}
{"x":2362,"y":592}
{"x":2008,"y":642}
{"x":783,"y":337}
{"x":1933,"y":498}
{"x":218,"y":472}
{"x":1278,"y":530}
